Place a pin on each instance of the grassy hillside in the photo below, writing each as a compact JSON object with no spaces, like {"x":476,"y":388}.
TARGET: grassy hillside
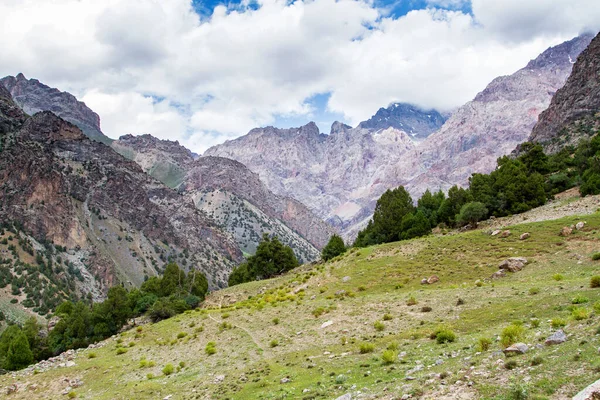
{"x":348,"y":327}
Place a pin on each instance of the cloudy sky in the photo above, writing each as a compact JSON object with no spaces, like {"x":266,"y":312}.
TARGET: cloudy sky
{"x":202,"y":72}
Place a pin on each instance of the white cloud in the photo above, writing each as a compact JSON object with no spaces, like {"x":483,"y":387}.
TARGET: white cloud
{"x":221,"y":75}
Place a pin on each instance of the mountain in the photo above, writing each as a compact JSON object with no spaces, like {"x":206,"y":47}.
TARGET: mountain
{"x":413,"y":120}
{"x":116,"y":223}
{"x":338,"y":175}
{"x":341,"y":175}
{"x":231,"y":194}
{"x":575,"y":108}
{"x":496,"y":121}
{"x":33,"y":96}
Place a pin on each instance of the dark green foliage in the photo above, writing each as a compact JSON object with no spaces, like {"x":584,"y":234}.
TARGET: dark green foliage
{"x":450,"y":207}
{"x":271,"y":258}
{"x":334,"y":248}
{"x":472,"y":213}
{"x":391,"y":208}
{"x":415,"y":225}
{"x":19,"y":354}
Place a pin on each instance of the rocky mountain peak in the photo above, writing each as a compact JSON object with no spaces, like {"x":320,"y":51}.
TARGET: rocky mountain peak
{"x":413,"y":120}
{"x":575,"y":109}
{"x":562,"y":54}
{"x":338,"y":127}
{"x":33,"y":96}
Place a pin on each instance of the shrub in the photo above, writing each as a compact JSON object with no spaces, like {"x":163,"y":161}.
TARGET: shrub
{"x":595,"y":280}
{"x":445,"y":335}
{"x":534,"y":291}
{"x":274,"y":343}
{"x":143,"y":363}
{"x":275,"y":321}
{"x":558,"y":277}
{"x":426,"y":309}
{"x":579,"y":299}
{"x":389,"y":357}
{"x":387,"y":317}
{"x":379,"y":326}
{"x":393,"y":346}
{"x":92,"y":355}
{"x":511,"y":364}
{"x":472,"y":213}
{"x":558,"y":323}
{"x":366,"y":348}
{"x":580,"y":313}
{"x":535,"y":323}
{"x":484,"y":343}
{"x":72,"y":395}
{"x":121,"y":350}
{"x":211,"y":348}
{"x":150,"y":376}
{"x":181,"y":335}
{"x":334,"y":248}
{"x":596,"y":256}
{"x":536,"y":361}
{"x":411,"y":301}
{"x":317,"y":312}
{"x":168,"y":369}
{"x":182,"y":364}
{"x":340,"y":379}
{"x":511,"y":334}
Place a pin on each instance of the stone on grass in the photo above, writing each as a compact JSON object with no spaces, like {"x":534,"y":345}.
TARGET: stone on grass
{"x":346,"y":396}
{"x":346,"y":279}
{"x":505,"y":234}
{"x":326,"y":324}
{"x":285,"y":380}
{"x":591,"y":392}
{"x":580,"y":225}
{"x":513,"y":264}
{"x":498,"y":274}
{"x":524,"y":236}
{"x":433,"y":279}
{"x":557,"y":337}
{"x":496,"y":232}
{"x":566,"y":231}
{"x":517,"y":348}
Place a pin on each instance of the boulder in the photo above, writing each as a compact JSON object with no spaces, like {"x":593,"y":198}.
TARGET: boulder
{"x":566,"y":231}
{"x":424,"y":281}
{"x":433,"y":279}
{"x":496,"y":232}
{"x":592,"y":392}
{"x":580,"y":225}
{"x":326,"y":324}
{"x":285,"y":380}
{"x":505,"y":234}
{"x":513,"y":264}
{"x":517,"y":348}
{"x":524,"y":236}
{"x":346,"y":396}
{"x":557,"y":337}
{"x":499,"y":274}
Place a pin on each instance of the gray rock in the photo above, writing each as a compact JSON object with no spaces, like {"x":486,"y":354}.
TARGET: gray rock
{"x":346,"y":279}
{"x":557,"y":337}
{"x":285,"y":380}
{"x":592,"y":392}
{"x":524,"y":236}
{"x":580,"y":225}
{"x":346,"y":396}
{"x":513,"y":264}
{"x":517,"y":348}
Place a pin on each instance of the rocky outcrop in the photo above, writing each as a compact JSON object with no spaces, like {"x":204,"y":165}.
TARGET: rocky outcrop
{"x":231,"y":194}
{"x":33,"y":96}
{"x":574,"y":112}
{"x":60,"y":186}
{"x":418,"y":123}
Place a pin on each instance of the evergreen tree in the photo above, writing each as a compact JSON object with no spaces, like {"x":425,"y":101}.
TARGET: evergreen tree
{"x":472,"y":213}
{"x":19,"y":354}
{"x":334,"y":248}
{"x":391,"y":207}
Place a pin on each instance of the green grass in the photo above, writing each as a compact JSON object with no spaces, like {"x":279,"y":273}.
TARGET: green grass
{"x":328,"y":359}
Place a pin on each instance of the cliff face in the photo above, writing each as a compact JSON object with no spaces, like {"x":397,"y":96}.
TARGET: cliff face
{"x":60,"y":186}
{"x":231,"y":194}
{"x":575,"y":109}
{"x":33,"y":96}
{"x":416,"y":122}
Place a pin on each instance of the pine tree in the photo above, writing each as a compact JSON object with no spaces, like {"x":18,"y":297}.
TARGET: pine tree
{"x":334,"y":248}
{"x":19,"y":354}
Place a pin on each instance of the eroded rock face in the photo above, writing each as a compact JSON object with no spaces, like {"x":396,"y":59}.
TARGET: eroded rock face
{"x":33,"y":96}
{"x":575,"y":107}
{"x":418,"y":123}
{"x":231,"y":194}
{"x":78,"y":193}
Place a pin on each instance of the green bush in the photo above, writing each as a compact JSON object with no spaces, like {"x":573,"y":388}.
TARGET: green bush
{"x":389,"y":357}
{"x":366,"y":348}
{"x":411,"y":301}
{"x":387,"y":317}
{"x":274,"y":343}
{"x":595,"y":281}
{"x":536,"y":361}
{"x":181,"y":335}
{"x":580,"y":313}
{"x":534,"y":291}
{"x":558,"y":323}
{"x":211,"y":348}
{"x":511,"y":335}
{"x":275,"y":321}
{"x":379,"y":326}
{"x":445,"y":335}
{"x":511,"y":364}
{"x":596,"y":256}
{"x":168,"y":369}
{"x":558,"y":277}
{"x":472,"y":213}
{"x":334,"y":248}
{"x":579,"y":299}
{"x":121,"y":350}
{"x":483,"y":344}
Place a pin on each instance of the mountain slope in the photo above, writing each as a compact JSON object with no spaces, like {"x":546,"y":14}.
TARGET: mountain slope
{"x":231,"y":194}
{"x":496,"y":121}
{"x":64,"y":188}
{"x":33,"y":96}
{"x":349,"y":329}
{"x":575,"y":109}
